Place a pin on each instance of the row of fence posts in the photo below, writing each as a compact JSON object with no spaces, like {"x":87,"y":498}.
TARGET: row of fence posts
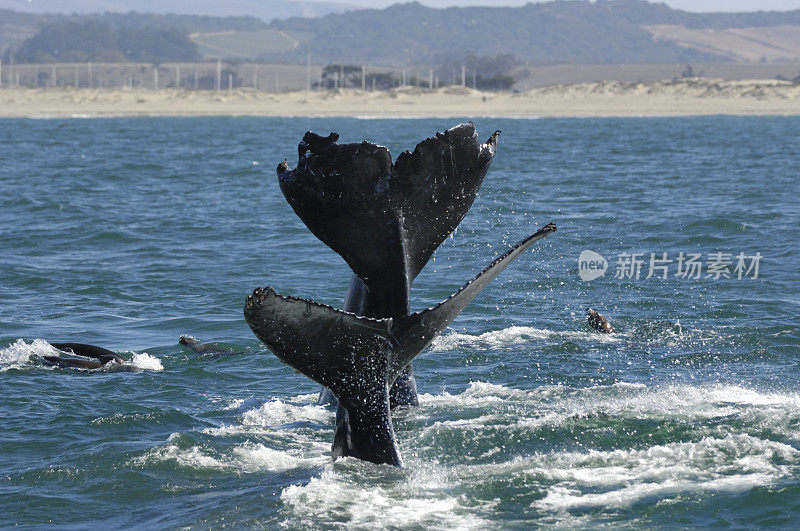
{"x":61,"y":75}
{"x":58,"y":75}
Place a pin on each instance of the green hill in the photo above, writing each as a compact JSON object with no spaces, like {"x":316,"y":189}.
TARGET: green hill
{"x":92,"y":40}
{"x":248,"y":45}
{"x":16,"y":27}
{"x":545,"y":33}
{"x":558,"y":32}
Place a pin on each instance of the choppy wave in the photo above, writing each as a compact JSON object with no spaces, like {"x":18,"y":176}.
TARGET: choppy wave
{"x":654,"y":332}
{"x":620,"y":478}
{"x":24,"y":355}
{"x":561,"y":450}
{"x":241,"y":458}
{"x":452,"y":340}
{"x":710,"y":441}
{"x":349,"y":493}
{"x":625,"y":442}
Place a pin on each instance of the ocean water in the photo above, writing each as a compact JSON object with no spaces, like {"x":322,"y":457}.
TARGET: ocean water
{"x":129,"y":232}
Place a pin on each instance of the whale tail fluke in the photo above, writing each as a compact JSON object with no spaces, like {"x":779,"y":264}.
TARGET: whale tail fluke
{"x":359,"y":358}
{"x":416,"y":331}
{"x":386,"y":219}
{"x":346,"y":353}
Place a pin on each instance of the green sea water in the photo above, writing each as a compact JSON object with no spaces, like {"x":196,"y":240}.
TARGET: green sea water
{"x":129,"y":232}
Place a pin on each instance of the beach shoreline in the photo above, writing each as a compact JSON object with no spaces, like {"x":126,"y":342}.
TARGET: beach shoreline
{"x":682,"y":97}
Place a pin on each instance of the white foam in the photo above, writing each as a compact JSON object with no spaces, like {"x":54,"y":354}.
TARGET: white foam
{"x":278,"y":412}
{"x":722,"y":450}
{"x":624,"y":477}
{"x":193,"y":457}
{"x":274,"y":414}
{"x":725,"y":452}
{"x":244,"y":458}
{"x":555,"y":405}
{"x":514,"y":335}
{"x":146,"y":362}
{"x":20,"y":354}
{"x":344,"y":494}
{"x":478,"y":394}
{"x":234,"y":403}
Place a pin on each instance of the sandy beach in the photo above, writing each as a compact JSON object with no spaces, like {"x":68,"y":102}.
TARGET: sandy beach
{"x":692,"y":96}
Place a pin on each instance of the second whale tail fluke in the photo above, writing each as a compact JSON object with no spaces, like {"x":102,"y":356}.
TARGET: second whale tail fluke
{"x":385,"y":218}
{"x":359,"y":358}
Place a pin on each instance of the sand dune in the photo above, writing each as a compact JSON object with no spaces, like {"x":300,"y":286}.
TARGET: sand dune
{"x":603,"y":98}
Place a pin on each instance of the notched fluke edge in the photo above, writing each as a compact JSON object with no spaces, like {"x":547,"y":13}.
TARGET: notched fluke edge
{"x":257,"y":298}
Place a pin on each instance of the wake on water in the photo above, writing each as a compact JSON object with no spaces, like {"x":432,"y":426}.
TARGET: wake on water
{"x":554,"y":452}
{"x":678,"y":440}
{"x":23,"y":355}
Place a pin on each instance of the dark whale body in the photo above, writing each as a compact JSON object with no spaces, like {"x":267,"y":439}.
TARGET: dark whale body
{"x":598,"y":322}
{"x":385,"y":220}
{"x":404,"y":389}
{"x":204,"y":349}
{"x":99,"y":356}
{"x":358,"y":358}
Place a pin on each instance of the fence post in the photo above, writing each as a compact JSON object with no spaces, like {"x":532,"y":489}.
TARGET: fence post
{"x":308,"y":72}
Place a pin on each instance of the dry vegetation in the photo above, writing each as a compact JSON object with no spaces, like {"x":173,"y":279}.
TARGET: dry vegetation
{"x":770,"y":43}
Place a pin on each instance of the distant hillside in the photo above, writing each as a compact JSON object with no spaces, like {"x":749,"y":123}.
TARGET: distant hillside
{"x":15,"y":27}
{"x":265,"y":10}
{"x":603,"y":32}
{"x":742,"y":44}
{"x":92,"y":40}
{"x":248,"y":45}
{"x":558,"y":32}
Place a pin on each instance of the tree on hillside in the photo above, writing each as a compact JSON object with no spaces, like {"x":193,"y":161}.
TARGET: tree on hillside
{"x":71,"y":42}
{"x":91,"y":40}
{"x":491,"y":72}
{"x":346,"y":75}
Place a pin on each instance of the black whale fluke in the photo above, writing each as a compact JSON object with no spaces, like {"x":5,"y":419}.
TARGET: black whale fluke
{"x":358,"y":357}
{"x":385,"y":219}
